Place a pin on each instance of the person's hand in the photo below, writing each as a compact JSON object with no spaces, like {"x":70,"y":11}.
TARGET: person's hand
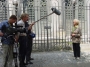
{"x":32,"y":23}
{"x":1,"y":34}
{"x":30,"y":26}
{"x":73,"y":34}
{"x":16,"y":38}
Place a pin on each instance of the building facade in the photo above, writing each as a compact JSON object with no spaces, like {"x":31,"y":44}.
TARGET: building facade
{"x":52,"y":26}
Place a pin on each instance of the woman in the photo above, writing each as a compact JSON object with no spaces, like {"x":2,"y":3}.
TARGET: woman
{"x":76,"y":37}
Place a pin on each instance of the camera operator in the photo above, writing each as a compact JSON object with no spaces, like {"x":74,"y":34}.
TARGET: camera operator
{"x":7,"y":41}
{"x":23,"y":38}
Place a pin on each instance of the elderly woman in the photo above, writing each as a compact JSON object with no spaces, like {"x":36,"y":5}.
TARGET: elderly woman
{"x":76,"y":37}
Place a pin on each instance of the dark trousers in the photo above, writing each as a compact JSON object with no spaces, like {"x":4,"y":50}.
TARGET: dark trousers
{"x":22,"y":49}
{"x":29,"y":48}
{"x":76,"y":49}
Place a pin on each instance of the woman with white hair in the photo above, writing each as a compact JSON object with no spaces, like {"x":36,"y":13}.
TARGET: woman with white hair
{"x":76,"y":37}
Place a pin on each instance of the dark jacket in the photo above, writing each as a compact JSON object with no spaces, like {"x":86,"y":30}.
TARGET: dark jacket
{"x":6,"y":39}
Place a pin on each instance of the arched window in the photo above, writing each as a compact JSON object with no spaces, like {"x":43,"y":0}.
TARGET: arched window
{"x":81,"y":10}
{"x":3,"y":10}
{"x":43,"y":9}
{"x":31,"y":9}
{"x":69,"y":9}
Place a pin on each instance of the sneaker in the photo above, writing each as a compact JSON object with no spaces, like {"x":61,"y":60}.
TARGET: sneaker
{"x":78,"y":58}
{"x":74,"y":58}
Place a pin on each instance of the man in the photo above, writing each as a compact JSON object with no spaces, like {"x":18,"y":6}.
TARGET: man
{"x":7,"y":41}
{"x":29,"y":45}
{"x":23,"y":38}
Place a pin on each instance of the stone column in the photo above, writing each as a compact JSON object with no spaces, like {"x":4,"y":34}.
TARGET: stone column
{"x":54,"y":19}
{"x":87,"y":16}
{"x":10,"y":8}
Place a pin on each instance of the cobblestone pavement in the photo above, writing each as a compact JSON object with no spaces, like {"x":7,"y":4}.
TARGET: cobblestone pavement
{"x":59,"y":59}
{"x":62,"y":59}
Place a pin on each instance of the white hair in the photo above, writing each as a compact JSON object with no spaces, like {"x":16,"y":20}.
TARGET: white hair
{"x":77,"y":21}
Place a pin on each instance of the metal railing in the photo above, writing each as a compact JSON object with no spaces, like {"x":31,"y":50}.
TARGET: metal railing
{"x":53,"y":32}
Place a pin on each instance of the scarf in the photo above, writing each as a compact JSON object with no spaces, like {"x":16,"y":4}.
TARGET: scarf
{"x":74,"y":28}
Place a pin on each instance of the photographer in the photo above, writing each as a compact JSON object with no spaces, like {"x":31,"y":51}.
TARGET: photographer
{"x":23,"y":38}
{"x":7,"y":41}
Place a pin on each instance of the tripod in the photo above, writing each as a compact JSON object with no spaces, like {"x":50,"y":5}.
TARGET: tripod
{"x":15,"y":54}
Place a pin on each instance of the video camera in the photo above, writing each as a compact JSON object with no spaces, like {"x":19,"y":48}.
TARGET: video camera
{"x":11,"y":30}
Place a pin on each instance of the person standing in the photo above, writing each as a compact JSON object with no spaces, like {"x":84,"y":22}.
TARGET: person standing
{"x":76,"y":38}
{"x":29,"y":45}
{"x":23,"y":38}
{"x":7,"y":41}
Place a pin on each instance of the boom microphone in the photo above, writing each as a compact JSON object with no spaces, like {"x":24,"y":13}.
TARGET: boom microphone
{"x":56,"y":11}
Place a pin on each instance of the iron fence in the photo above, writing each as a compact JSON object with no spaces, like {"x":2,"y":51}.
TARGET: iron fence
{"x":52,"y":32}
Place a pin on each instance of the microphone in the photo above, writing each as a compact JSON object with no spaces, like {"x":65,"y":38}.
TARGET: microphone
{"x":56,"y":11}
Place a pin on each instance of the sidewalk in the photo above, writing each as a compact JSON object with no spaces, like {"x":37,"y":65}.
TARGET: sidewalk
{"x":61,"y":59}
{"x":85,"y":47}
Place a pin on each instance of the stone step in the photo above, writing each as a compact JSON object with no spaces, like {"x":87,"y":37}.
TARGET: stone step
{"x":85,"y":47}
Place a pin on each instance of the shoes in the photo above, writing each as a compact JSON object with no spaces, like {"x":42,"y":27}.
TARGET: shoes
{"x":25,"y":63}
{"x":31,"y":58}
{"x":22,"y":65}
{"x":75,"y":57}
{"x":78,"y":58}
{"x":29,"y":62}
